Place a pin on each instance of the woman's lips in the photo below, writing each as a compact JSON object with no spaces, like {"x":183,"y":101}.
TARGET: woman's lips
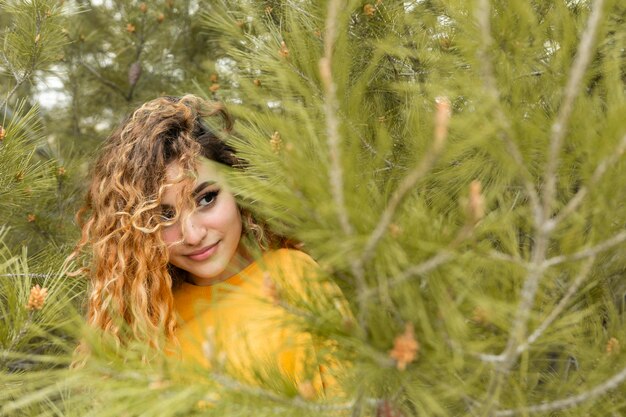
{"x":204,"y":253}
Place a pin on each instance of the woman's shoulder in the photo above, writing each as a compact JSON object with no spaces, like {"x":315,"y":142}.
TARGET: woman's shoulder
{"x":288,"y":257}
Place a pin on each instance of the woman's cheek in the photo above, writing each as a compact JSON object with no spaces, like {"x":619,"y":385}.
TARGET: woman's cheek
{"x":170,"y":236}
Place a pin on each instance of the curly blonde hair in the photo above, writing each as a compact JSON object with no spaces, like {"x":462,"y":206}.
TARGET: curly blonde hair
{"x":130,"y":295}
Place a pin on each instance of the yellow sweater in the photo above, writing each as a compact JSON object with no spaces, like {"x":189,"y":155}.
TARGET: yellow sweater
{"x":239,"y":325}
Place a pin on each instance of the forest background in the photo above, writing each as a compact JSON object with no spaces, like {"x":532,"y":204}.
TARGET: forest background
{"x":456,"y":167}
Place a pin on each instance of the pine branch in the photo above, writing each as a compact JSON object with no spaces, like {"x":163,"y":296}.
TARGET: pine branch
{"x":582,"y":275}
{"x":520,"y":324}
{"x":331,"y":108}
{"x":570,"y":402}
{"x":558,"y":130}
{"x":505,"y":257}
{"x":418,"y":270}
{"x":490,"y":84}
{"x":32,"y":63}
{"x":16,"y":339}
{"x":18,"y":84}
{"x":42,"y":276}
{"x":19,"y":79}
{"x":600,"y":170}
{"x":409,"y":181}
{"x":297,"y":402}
{"x":543,"y":225}
{"x":138,"y":51}
{"x":592,"y":251}
{"x":489,"y":358}
{"x":103,"y":80}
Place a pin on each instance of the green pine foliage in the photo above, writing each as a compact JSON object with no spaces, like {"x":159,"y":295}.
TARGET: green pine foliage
{"x":474,"y":292}
{"x":456,"y":167}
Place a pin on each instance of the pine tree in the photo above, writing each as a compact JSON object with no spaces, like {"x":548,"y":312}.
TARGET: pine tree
{"x":456,"y":167}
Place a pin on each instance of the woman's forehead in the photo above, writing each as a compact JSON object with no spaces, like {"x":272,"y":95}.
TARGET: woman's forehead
{"x":205,"y":170}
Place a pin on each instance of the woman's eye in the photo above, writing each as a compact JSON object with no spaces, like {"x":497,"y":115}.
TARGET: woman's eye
{"x":208,"y":199}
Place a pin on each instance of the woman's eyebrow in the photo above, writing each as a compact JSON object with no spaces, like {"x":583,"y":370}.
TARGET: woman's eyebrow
{"x":202,"y":186}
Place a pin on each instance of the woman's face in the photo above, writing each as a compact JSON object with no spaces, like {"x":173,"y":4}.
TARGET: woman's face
{"x":204,"y":241}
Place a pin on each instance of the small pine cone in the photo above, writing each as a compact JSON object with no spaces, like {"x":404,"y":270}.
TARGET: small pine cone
{"x":160,"y":18}
{"x":306,"y":390}
{"x":19,"y":177}
{"x":476,"y":204}
{"x":130,"y":28}
{"x":143,"y":7}
{"x":276,"y":142}
{"x":442,"y":119}
{"x":387,"y":409}
{"x":369,"y":10}
{"x":257,"y":82}
{"x":37,"y":298}
{"x":3,"y":133}
{"x":31,"y":218}
{"x":480,"y":315}
{"x":214,"y":87}
{"x":283,"y":51}
{"x":134,"y":72}
{"x":317,"y":33}
{"x":61,"y":171}
{"x":405,"y":348}
{"x":612,"y":346}
{"x":394,"y":230}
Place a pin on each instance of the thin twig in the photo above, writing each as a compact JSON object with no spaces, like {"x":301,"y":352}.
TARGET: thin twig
{"x":582,"y":275}
{"x":573,"y":401}
{"x":103,"y":80}
{"x":17,"y":338}
{"x":331,"y":107}
{"x":409,"y":181}
{"x":25,"y":275}
{"x":418,"y":270}
{"x":600,"y":170}
{"x":138,"y":52}
{"x":505,"y":257}
{"x":19,"y":82}
{"x":441,"y":257}
{"x":592,"y":251}
{"x":543,"y":225}
{"x":28,"y":72}
{"x":298,"y":402}
{"x":520,"y":324}
{"x":489,"y":80}
{"x":558,"y":130}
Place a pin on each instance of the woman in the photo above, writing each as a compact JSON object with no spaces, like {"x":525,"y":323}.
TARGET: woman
{"x":175,"y":262}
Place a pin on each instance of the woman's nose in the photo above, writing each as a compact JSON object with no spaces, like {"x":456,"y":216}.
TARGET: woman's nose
{"x":193,"y":230}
